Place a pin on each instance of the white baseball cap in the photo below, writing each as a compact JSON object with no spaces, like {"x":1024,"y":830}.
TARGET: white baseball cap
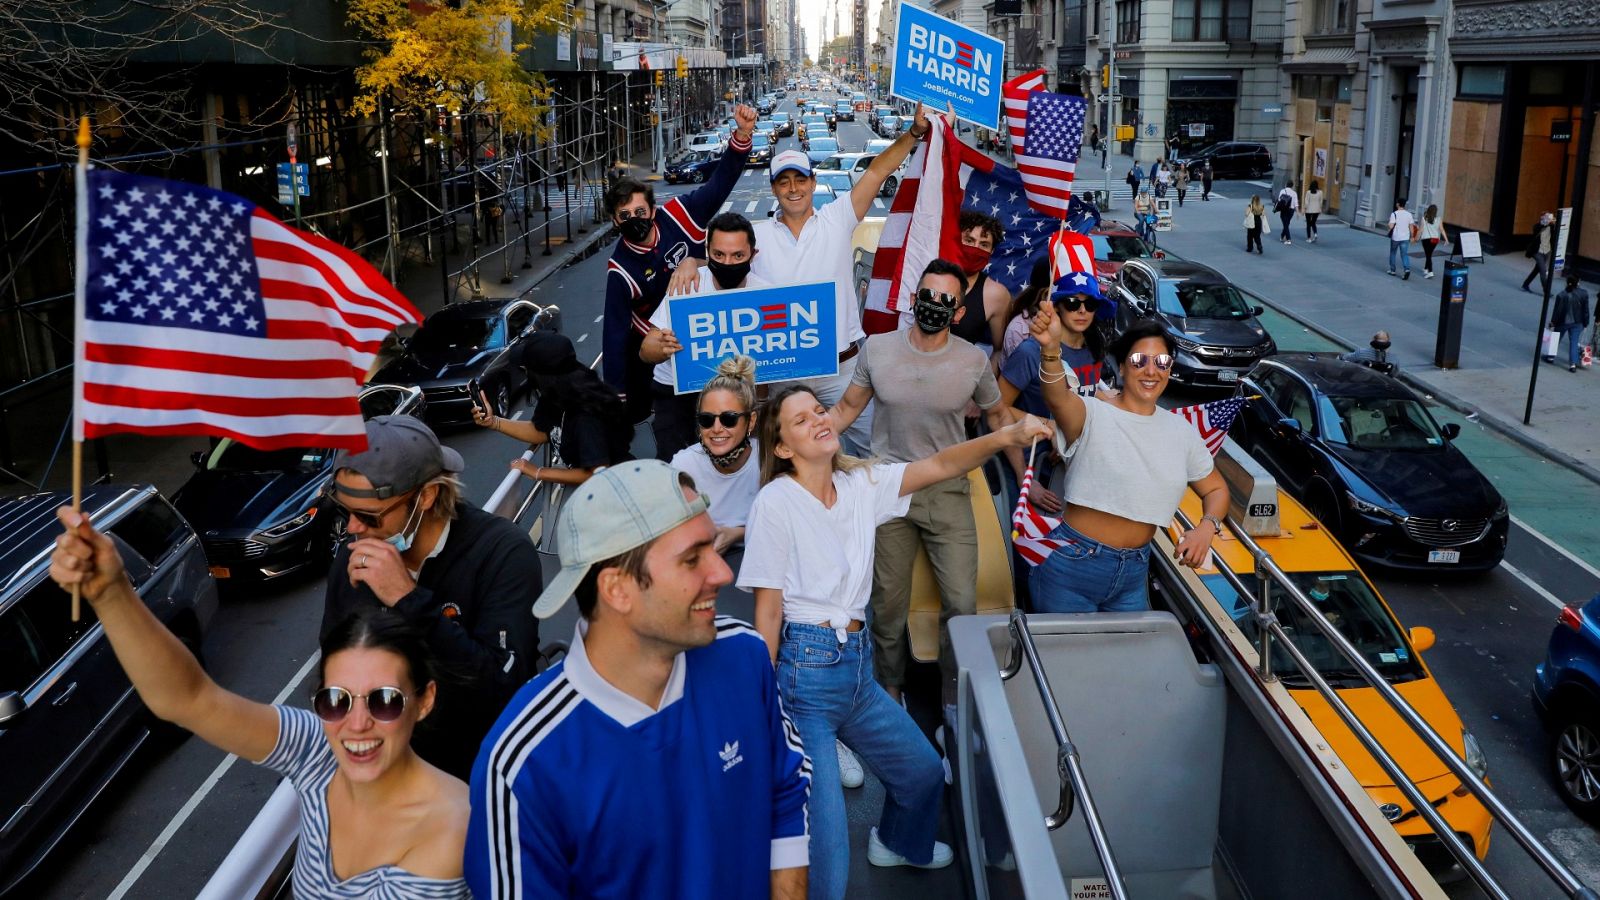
{"x":789,"y":161}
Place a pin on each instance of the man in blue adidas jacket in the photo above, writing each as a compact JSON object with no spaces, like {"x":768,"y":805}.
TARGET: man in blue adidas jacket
{"x":655,"y":760}
{"x":654,"y":243}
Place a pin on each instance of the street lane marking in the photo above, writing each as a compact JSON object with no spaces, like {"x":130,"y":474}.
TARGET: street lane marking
{"x":1556,"y":547}
{"x":725,"y":207}
{"x":193,"y":803}
{"x":877,"y":204}
{"x":1532,"y":585}
{"x":751,"y":206}
{"x":583,"y":337}
{"x":599,"y":317}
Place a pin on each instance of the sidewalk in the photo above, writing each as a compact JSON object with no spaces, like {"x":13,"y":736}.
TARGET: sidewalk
{"x":1339,"y":287}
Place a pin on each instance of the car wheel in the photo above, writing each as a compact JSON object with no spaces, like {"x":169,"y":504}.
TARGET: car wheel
{"x":1575,"y":761}
{"x":890,"y":184}
{"x":502,"y":399}
{"x":1325,"y":508}
{"x":699,"y":176}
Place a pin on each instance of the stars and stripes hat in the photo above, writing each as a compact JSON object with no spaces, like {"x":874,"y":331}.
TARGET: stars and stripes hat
{"x":1076,"y":284}
{"x":402,"y":453}
{"x":789,"y":161}
{"x":619,"y":508}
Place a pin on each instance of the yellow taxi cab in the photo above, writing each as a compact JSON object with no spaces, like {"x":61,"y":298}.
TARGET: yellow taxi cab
{"x":1322,"y":569}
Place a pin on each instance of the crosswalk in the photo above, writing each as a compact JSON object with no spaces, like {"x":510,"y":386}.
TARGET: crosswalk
{"x":761,"y":207}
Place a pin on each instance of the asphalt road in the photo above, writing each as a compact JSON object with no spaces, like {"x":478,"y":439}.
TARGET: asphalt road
{"x":161,"y":831}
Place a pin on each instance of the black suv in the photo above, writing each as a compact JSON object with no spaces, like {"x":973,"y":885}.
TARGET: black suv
{"x":1216,"y":330}
{"x":69,"y":719}
{"x":1233,"y":159}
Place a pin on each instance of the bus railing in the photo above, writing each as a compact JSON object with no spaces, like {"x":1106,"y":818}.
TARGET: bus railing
{"x":1270,"y":575}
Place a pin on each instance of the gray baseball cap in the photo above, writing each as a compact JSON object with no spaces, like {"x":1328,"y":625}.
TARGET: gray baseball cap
{"x":402,"y":453}
{"x":616,"y":510}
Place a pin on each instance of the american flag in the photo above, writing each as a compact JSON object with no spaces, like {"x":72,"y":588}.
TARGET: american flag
{"x":202,"y":314}
{"x":1055,"y":136}
{"x":1029,"y":527}
{"x":1014,"y":98}
{"x":1028,"y":234}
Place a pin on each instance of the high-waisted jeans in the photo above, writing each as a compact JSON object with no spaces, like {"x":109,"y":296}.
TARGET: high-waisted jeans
{"x":1084,"y":575}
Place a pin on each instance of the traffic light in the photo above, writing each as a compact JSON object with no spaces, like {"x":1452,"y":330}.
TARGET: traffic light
{"x":1105,"y":78}
{"x":683,"y":67}
{"x":661,"y":78}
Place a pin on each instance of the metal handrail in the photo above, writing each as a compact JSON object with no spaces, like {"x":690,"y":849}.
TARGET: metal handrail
{"x":1069,"y":766}
{"x":1269,"y":572}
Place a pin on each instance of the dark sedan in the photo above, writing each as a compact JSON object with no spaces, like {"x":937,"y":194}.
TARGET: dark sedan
{"x":462,"y":342}
{"x":693,"y":170}
{"x":261,"y":514}
{"x":1364,"y":455}
{"x":69,"y":719}
{"x":1217,"y":333}
{"x":1566,"y":691}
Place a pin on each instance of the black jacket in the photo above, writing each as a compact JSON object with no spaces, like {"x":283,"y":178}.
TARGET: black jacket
{"x":490,"y":571}
{"x":1570,"y":308}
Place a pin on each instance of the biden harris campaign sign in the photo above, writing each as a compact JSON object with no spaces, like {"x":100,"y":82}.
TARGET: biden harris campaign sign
{"x":943,"y":64}
{"x":789,"y":331}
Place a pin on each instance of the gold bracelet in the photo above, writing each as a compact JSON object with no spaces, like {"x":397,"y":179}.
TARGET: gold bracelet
{"x":1044,"y":358}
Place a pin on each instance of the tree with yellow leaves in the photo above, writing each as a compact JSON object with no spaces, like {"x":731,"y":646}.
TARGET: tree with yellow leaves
{"x":463,"y":57}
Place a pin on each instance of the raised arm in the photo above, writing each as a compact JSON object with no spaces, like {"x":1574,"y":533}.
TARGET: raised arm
{"x":1056,"y":382}
{"x":871,"y":182}
{"x":703,"y":202}
{"x":955,"y":461}
{"x":166,"y":675}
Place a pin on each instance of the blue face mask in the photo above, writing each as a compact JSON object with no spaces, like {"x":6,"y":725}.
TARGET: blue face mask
{"x":402,"y":540}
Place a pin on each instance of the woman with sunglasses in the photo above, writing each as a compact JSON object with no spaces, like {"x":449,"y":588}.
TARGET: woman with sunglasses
{"x":809,"y":559}
{"x":375,"y":819}
{"x":722,"y":463}
{"x":1131,"y":461}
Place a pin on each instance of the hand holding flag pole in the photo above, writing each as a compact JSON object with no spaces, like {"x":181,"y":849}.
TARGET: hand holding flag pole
{"x":81,"y":278}
{"x":1032,"y":449}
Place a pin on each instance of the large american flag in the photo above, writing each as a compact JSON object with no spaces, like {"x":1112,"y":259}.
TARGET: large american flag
{"x":1014,"y":99}
{"x":1029,"y":234}
{"x":1055,"y":137}
{"x":1030,"y":528}
{"x":202,"y":314}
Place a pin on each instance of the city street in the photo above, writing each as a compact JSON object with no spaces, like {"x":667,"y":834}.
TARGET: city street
{"x":161,"y":831}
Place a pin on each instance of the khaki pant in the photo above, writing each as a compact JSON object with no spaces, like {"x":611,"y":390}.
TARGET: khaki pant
{"x":940,"y":519}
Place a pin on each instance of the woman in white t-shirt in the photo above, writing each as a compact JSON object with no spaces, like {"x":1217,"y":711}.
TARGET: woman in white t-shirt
{"x":808,"y":556}
{"x":723,"y":462}
{"x":1131,"y":461}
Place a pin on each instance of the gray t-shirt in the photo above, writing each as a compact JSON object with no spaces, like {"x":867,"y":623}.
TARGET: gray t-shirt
{"x":919,"y":398}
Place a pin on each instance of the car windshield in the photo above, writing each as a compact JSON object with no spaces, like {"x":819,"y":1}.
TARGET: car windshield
{"x":455,"y":332}
{"x":1119,"y":247}
{"x":1379,"y":423}
{"x":819,"y":145}
{"x":877,"y":146}
{"x":760,"y":140}
{"x":1348,"y":602}
{"x":839,"y":181}
{"x":832,"y":163}
{"x":780,"y":117}
{"x":1201,"y":300}
{"x":231,"y":456}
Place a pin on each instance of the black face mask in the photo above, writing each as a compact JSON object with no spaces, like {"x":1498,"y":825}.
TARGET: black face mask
{"x":637,"y":229}
{"x":728,"y":275}
{"x":932,"y":317}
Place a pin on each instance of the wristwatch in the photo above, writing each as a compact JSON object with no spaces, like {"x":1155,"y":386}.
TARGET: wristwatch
{"x":1215,"y":522}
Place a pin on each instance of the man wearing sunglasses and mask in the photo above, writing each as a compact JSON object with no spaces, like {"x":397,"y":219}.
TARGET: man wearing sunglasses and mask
{"x":465,"y":578}
{"x":730,"y":250}
{"x":921,"y":379}
{"x":652,"y":259}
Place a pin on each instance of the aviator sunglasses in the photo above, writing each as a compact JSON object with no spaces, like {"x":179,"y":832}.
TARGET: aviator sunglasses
{"x":384,"y":704}
{"x":929,"y":295}
{"x":1163,"y":361}
{"x":728,"y":419}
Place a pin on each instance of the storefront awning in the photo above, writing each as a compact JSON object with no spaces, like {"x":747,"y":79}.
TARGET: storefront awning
{"x":1326,"y":60}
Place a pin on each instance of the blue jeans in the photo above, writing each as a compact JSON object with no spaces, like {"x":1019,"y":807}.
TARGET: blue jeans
{"x":1574,"y":335}
{"x":1085,"y":575}
{"x":1398,"y":248}
{"x":829,"y":691}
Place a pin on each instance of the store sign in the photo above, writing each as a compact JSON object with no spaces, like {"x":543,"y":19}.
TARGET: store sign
{"x":563,"y":46}
{"x":1561,"y":131}
{"x":1565,"y":218}
{"x":945,"y":65}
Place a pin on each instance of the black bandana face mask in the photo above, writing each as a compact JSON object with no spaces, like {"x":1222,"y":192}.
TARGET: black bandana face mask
{"x":934,"y":310}
{"x":636,"y":230}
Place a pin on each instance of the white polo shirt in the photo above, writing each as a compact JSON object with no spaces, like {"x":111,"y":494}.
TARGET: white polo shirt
{"x":667,"y":372}
{"x":821,"y":253}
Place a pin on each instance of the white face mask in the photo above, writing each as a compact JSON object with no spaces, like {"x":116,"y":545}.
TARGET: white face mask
{"x":402,"y":540}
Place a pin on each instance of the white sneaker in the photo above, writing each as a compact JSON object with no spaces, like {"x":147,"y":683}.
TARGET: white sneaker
{"x":850,"y":773}
{"x":879,"y":855}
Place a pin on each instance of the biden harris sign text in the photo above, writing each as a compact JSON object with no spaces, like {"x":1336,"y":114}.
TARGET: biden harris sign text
{"x":789,"y":332}
{"x":943,"y":64}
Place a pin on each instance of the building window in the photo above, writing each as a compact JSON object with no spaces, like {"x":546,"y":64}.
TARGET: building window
{"x":1333,"y":17}
{"x":1488,"y":82}
{"x":1127,"y":21}
{"x":1210,"y":20}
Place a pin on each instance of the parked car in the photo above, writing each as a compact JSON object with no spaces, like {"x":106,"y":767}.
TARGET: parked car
{"x":693,"y":169}
{"x":1114,"y":244}
{"x":783,"y":125}
{"x":261,"y":514}
{"x":69,"y":719}
{"x":1217,"y":333}
{"x":1566,"y":691}
{"x":463,"y":341}
{"x":820,"y":148}
{"x":760,"y":149}
{"x":1234,"y":159}
{"x":707,"y":142}
{"x":844,"y":112}
{"x":1361,"y":451}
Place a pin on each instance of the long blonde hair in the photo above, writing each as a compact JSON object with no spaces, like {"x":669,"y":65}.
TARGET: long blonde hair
{"x":771,"y":425}
{"x":1256,"y":208}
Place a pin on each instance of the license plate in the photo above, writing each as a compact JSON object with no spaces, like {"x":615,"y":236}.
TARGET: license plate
{"x":220,"y":572}
{"x":1444,"y":556}
{"x":1227,"y":376}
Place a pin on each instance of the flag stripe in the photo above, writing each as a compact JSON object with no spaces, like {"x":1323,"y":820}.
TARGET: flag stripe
{"x":317,"y":366}
{"x":150,"y":378}
{"x":146,"y":400}
{"x":244,"y":426}
{"x":272,"y":239}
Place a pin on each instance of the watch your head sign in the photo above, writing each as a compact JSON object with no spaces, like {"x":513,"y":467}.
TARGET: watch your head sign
{"x":943,"y":64}
{"x":789,"y":331}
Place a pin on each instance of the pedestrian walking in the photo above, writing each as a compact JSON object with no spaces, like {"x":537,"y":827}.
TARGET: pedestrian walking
{"x":1255,"y":222}
{"x":1569,"y":315}
{"x":1180,"y":181}
{"x":1163,"y":179}
{"x":1402,"y":229}
{"x":1144,"y":211}
{"x":1430,"y":234}
{"x":1154,"y":167}
{"x":655,"y":759}
{"x":1285,"y":206}
{"x":1134,"y":177}
{"x":1539,"y":251}
{"x":1312,"y":208}
{"x":1205,"y":181}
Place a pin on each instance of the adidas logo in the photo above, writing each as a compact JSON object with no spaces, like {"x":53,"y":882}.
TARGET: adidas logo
{"x":730,"y":755}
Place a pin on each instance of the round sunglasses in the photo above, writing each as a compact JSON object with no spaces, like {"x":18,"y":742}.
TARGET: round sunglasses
{"x":728,"y":419}
{"x":1163,"y":361}
{"x":384,"y":704}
